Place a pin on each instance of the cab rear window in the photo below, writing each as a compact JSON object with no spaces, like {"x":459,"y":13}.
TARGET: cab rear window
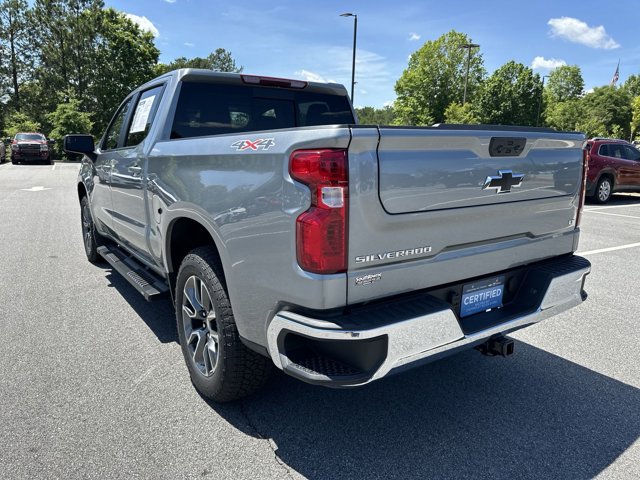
{"x":215,"y":109}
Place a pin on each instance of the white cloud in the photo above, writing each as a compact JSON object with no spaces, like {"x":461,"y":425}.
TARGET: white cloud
{"x":170,"y":1}
{"x":577,"y":31}
{"x":388,"y":103}
{"x":144,"y":23}
{"x":313,"y":76}
{"x":364,"y":92}
{"x":189,"y":44}
{"x":541,"y":63}
{"x":413,"y":37}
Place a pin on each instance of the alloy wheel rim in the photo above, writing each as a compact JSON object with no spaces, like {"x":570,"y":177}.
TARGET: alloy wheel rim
{"x":605,"y":190}
{"x":87,"y":228}
{"x":200,"y":326}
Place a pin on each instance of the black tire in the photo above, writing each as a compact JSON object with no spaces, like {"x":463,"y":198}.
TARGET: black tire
{"x":90,"y":238}
{"x":224,"y":370}
{"x":604,"y":189}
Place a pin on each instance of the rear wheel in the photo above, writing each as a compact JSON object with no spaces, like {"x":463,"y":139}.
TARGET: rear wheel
{"x":221,"y":367}
{"x":603,"y":190}
{"x":90,"y":237}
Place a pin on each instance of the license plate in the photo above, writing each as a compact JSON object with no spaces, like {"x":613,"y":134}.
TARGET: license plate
{"x":481,"y":296}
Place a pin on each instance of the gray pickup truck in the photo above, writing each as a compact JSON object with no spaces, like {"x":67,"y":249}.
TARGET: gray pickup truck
{"x":285,"y":233}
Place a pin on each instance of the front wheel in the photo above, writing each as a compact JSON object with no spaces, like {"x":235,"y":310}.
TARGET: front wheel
{"x":221,"y":367}
{"x":604,"y":189}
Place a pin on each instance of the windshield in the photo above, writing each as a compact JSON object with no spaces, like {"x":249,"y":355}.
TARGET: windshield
{"x":30,"y":136}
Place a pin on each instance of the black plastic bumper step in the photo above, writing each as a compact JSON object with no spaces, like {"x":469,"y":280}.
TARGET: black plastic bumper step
{"x":145,"y":282}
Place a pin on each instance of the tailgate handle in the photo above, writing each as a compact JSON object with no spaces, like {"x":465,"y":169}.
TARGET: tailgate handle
{"x":506,"y":146}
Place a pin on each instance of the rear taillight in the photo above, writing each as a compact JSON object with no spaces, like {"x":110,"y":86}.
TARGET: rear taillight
{"x":583,"y":185}
{"x":321,"y":231}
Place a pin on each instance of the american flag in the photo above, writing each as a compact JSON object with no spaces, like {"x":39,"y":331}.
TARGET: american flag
{"x":616,"y":75}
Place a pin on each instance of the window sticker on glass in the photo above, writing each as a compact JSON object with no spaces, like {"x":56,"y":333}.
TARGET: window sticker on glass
{"x":141,"y":116}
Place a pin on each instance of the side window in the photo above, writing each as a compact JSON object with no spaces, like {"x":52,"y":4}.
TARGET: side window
{"x":604,"y":150}
{"x":632,"y":153}
{"x":143,"y":116}
{"x":615,"y":151}
{"x":112,"y":138}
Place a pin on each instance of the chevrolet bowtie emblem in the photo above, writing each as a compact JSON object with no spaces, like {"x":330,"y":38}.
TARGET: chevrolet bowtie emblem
{"x":504,"y":181}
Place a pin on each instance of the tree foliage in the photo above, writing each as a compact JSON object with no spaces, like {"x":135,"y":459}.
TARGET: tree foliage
{"x":435,"y":78}
{"x":635,"y":117}
{"x":565,"y":83}
{"x":510,"y":96}
{"x":375,"y":116}
{"x":220,"y":60}
{"x":124,"y":57}
{"x":16,"y":48}
{"x":462,"y":114}
{"x":607,"y":112}
{"x":19,"y":122}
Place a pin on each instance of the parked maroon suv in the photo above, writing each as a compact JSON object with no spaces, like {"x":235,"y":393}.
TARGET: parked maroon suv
{"x":614,"y":166}
{"x":31,"y":147}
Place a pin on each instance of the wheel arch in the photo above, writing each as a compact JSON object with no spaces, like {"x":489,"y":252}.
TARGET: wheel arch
{"x":608,"y":173}
{"x":82,"y":191}
{"x":185,"y":232}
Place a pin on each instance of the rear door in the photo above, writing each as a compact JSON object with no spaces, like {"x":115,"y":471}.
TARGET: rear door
{"x":432,"y":206}
{"x":632,"y":167}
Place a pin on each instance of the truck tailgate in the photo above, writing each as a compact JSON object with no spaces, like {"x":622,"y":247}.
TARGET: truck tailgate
{"x":433,"y":206}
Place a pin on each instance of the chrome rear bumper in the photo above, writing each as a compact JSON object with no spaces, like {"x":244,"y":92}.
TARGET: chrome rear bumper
{"x":404,"y":334}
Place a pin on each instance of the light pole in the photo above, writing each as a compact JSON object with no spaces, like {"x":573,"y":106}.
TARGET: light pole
{"x":353,"y":63}
{"x":540,"y":100}
{"x":468,"y":46}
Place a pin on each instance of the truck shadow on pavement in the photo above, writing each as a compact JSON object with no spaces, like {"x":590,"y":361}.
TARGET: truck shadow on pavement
{"x":159,"y":316}
{"x":535,"y":415}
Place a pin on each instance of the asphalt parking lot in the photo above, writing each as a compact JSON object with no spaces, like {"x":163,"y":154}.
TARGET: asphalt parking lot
{"x":93,"y":384}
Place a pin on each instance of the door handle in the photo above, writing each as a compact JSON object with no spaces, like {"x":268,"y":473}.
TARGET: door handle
{"x":134,"y":169}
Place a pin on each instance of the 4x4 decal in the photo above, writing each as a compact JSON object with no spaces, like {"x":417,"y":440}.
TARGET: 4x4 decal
{"x":259,"y":144}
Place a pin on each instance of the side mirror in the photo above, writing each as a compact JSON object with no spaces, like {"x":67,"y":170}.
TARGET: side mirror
{"x":7,"y":140}
{"x":82,"y":144}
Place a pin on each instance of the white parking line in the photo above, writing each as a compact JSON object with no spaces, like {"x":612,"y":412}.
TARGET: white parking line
{"x":610,"y":249}
{"x":615,"y":214}
{"x":54,"y":167}
{"x":591,"y":209}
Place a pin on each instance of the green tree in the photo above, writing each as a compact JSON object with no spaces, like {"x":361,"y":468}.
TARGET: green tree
{"x":67,"y":34}
{"x":462,"y":114}
{"x":565,"y":115}
{"x":220,"y":60}
{"x":16,"y":47}
{"x":435,"y":78}
{"x":375,"y":116}
{"x":607,"y":112}
{"x":66,"y":119}
{"x":124,"y":58}
{"x":510,"y":96}
{"x":19,"y":122}
{"x":631,"y":86}
{"x":635,"y":117}
{"x":565,"y":83}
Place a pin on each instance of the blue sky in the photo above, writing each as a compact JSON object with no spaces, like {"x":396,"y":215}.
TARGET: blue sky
{"x":309,"y":40}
